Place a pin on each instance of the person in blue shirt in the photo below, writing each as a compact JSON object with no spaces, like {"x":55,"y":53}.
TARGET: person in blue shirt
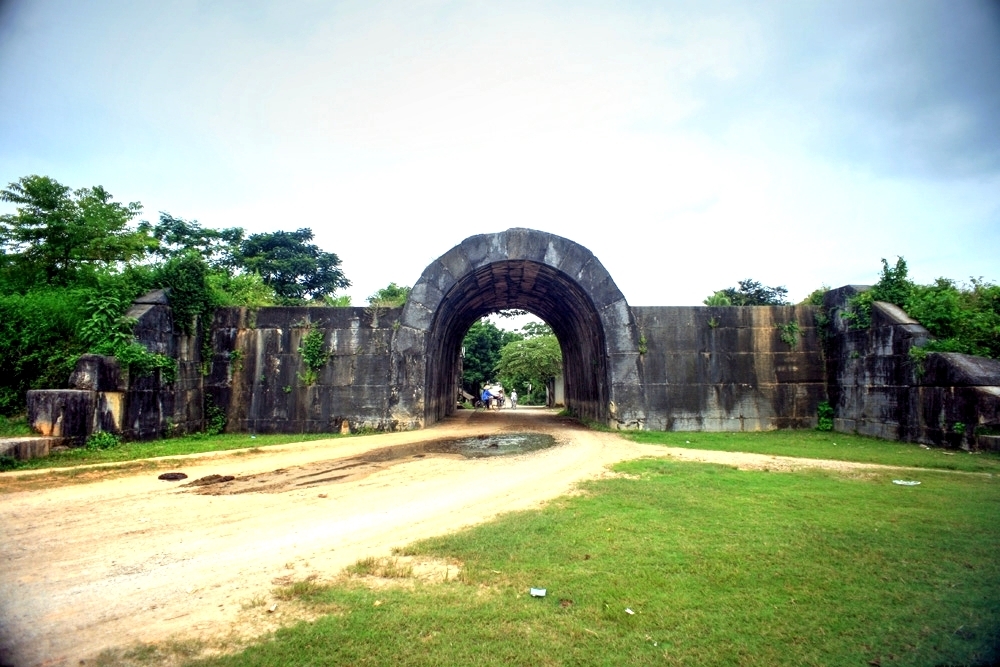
{"x":487,"y":397}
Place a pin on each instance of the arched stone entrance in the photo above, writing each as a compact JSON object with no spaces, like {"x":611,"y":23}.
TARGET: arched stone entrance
{"x":552,"y":277}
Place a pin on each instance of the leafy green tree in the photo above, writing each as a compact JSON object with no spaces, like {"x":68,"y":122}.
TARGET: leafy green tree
{"x":482,"y":345}
{"x":535,"y":329}
{"x":296,"y":269}
{"x":749,"y":293}
{"x":718,"y":299}
{"x":391,"y":296}
{"x":57,"y":237}
{"x":219,"y":247}
{"x":536,"y":360}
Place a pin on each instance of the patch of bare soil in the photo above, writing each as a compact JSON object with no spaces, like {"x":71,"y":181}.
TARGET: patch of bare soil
{"x":129,"y":558}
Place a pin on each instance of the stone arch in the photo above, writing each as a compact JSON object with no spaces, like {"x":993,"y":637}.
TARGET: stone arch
{"x":552,"y":277}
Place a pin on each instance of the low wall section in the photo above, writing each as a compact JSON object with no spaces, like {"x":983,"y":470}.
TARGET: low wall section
{"x":878,"y":388}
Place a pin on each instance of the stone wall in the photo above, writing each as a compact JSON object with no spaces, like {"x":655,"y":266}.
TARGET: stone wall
{"x":699,"y":368}
{"x":258,"y":377}
{"x":728,"y":369}
{"x":878,"y":388}
{"x":154,"y":407}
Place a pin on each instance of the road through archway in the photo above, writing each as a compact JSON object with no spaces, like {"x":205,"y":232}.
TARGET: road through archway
{"x":552,"y":277}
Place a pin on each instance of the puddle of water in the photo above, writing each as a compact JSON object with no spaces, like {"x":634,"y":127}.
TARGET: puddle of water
{"x":476,"y":447}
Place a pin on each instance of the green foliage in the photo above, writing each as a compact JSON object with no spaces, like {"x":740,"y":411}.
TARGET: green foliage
{"x":103,"y":440}
{"x":58,"y":237}
{"x":176,"y":236}
{"x":391,"y":296}
{"x":824,"y":416}
{"x":815,"y":297}
{"x":718,"y":299}
{"x":343,"y":301}
{"x":296,"y":269}
{"x":246,"y":290}
{"x":535,"y":329}
{"x":749,"y":293}
{"x":142,"y":362}
{"x":789,"y":333}
{"x":961,"y":319}
{"x":313,"y":350}
{"x":535,"y":361}
{"x":190,"y":295}
{"x":482,"y":344}
{"x":215,"y":417}
{"x":893,"y":287}
{"x":314,"y":355}
{"x":39,"y":344}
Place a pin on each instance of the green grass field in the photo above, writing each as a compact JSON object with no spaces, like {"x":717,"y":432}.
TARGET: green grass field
{"x":718,"y":566}
{"x":826,"y":445}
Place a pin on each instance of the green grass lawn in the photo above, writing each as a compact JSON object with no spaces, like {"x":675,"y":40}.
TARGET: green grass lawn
{"x":719,"y":566}
{"x":825,"y":445}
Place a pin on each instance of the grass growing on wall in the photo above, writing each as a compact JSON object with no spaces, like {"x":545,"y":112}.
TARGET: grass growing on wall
{"x":717,"y":567}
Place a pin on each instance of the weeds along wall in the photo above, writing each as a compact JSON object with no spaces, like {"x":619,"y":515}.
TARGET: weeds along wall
{"x":731,"y":368}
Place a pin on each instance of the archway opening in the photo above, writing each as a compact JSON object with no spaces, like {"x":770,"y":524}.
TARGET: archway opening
{"x":541,"y":290}
{"x":515,"y":355}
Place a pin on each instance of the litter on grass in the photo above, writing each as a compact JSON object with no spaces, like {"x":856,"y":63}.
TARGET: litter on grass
{"x":629,"y":612}
{"x":537,"y":592}
{"x":905,"y":482}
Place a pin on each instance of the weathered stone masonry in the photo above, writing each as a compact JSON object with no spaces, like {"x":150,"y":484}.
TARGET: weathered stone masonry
{"x":673,"y":368}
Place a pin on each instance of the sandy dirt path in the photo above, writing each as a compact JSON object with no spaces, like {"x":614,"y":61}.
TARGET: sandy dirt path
{"x":132,"y":558}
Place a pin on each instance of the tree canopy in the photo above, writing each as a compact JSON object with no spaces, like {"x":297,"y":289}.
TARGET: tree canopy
{"x":536,"y":361}
{"x":58,"y":236}
{"x":175,"y":236}
{"x":482,"y":345}
{"x":72,"y":262}
{"x":293,"y":267}
{"x":749,"y":293}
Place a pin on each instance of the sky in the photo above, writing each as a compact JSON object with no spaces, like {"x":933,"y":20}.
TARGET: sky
{"x":689,"y":145}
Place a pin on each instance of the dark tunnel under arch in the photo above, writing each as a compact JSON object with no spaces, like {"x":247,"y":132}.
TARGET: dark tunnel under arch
{"x":547,"y":275}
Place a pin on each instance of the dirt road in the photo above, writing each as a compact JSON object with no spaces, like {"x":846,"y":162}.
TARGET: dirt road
{"x":133,"y":558}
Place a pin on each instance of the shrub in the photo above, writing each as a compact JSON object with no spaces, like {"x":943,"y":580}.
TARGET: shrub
{"x":103,"y":440}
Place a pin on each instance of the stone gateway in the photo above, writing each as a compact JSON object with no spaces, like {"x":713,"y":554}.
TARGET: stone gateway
{"x":659,"y":367}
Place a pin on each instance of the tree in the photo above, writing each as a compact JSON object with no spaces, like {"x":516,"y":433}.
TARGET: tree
{"x":535,"y":329}
{"x":718,"y":299}
{"x":58,"y":236}
{"x":218,"y":247}
{"x":749,"y":293}
{"x":482,"y":345}
{"x":293,"y":267}
{"x":536,"y":360}
{"x":391,"y":296}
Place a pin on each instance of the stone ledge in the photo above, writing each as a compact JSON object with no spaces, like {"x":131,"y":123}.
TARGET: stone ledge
{"x":30,"y":447}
